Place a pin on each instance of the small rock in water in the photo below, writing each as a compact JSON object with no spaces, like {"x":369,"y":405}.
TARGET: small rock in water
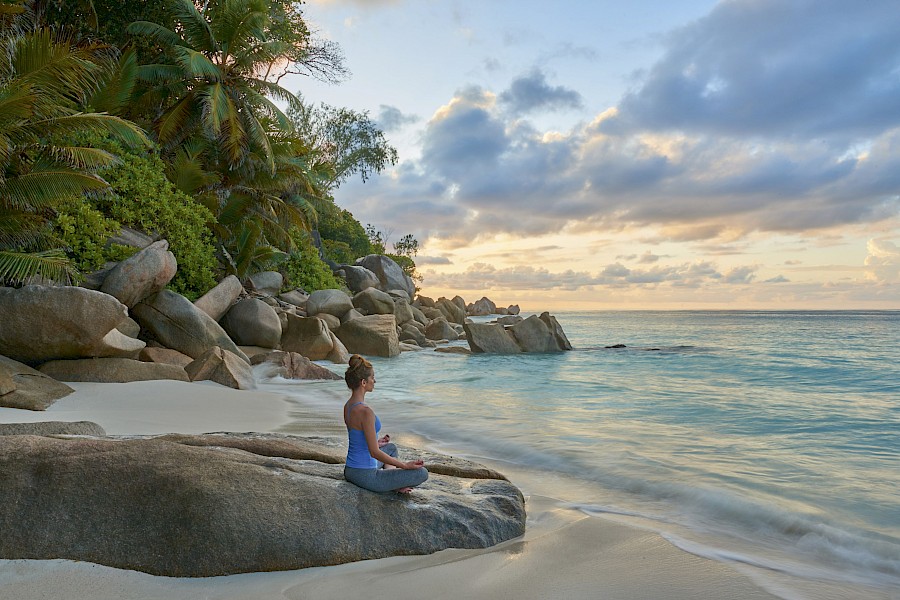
{"x":616,"y":346}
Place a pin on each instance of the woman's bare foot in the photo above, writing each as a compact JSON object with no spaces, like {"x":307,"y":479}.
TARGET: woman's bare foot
{"x":406,"y":490}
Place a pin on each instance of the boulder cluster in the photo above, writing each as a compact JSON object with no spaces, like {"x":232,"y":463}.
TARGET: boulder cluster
{"x":130,"y":328}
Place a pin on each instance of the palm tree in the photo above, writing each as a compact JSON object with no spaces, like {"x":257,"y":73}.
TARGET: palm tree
{"x":43,"y":81}
{"x":210,"y":83}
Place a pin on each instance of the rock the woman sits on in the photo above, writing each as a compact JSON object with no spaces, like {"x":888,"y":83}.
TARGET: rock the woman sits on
{"x":372,"y":463}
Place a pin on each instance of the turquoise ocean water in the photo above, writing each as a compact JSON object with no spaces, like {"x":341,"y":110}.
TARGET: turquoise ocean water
{"x":765,"y":439}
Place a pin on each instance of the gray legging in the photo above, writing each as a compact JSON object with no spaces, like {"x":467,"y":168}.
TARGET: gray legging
{"x":385,"y":480}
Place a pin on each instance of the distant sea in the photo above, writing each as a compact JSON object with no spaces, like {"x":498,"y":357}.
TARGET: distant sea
{"x":769,"y":440}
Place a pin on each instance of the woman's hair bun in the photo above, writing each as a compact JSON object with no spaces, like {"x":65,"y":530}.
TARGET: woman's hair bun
{"x":358,"y":369}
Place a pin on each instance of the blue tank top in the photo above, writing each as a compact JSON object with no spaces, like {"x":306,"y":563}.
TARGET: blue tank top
{"x":358,"y":456}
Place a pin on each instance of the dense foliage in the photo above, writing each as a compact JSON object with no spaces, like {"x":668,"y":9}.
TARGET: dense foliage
{"x":232,"y":182}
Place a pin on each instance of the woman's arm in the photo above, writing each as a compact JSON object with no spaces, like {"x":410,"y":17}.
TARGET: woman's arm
{"x":376,"y":452}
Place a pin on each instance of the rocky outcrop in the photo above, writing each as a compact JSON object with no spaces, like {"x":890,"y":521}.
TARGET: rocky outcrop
{"x":339,"y":354}
{"x":165,"y":355}
{"x":332,"y":302}
{"x":176,"y":323}
{"x":143,"y":274}
{"x":451,"y":310}
{"x":372,"y":335}
{"x":408,"y":333}
{"x":111,"y":370}
{"x":403,"y":311}
{"x":358,"y":278}
{"x":308,"y":336}
{"x":222,"y":367}
{"x":194,"y":510}
{"x":513,"y":309}
{"x":26,"y":388}
{"x":295,"y":298}
{"x":453,"y":350}
{"x":510,"y":320}
{"x":292,"y":365}
{"x":390,"y":275}
{"x":373,"y":301}
{"x":267,"y":282}
{"x":252,"y":322}
{"x":53,"y":428}
{"x":556,"y":329}
{"x":534,"y":334}
{"x":129,"y":327}
{"x":440,"y":329}
{"x":41,"y":323}
{"x":482,"y":308}
{"x":218,"y":300}
{"x":490,"y":338}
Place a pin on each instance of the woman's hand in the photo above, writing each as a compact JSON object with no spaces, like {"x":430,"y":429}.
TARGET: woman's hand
{"x":413,"y":464}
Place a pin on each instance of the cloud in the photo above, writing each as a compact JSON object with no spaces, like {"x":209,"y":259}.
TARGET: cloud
{"x":771,"y":67}
{"x":531,"y":92}
{"x":483,"y":276}
{"x":708,"y":147}
{"x":883,"y":261}
{"x":390,"y":118}
{"x":432,"y":260}
{"x":777,"y":279}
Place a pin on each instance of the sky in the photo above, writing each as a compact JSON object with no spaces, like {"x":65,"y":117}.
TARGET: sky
{"x":739,"y":154}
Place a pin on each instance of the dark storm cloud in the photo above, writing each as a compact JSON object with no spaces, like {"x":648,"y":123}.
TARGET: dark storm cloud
{"x":775,"y":67}
{"x":531,"y":92}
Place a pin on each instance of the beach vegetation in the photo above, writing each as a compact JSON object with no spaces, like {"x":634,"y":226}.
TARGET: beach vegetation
{"x":304,"y":268}
{"x":45,"y":81}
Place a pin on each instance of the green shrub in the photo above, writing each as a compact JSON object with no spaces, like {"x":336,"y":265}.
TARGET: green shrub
{"x":84,"y":231}
{"x":142,"y":198}
{"x":339,"y":252}
{"x":305,"y":270}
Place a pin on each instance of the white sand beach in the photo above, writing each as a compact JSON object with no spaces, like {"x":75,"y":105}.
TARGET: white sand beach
{"x":563,"y":554}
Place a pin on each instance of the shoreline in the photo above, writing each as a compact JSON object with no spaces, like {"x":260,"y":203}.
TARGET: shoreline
{"x":563,"y":552}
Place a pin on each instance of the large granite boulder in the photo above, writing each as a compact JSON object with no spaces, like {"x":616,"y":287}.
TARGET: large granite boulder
{"x":423,"y":302}
{"x":490,"y":338}
{"x":267,"y":282}
{"x":178,"y":324}
{"x":372,"y":301}
{"x":292,"y":365}
{"x":297,"y":298}
{"x":418,"y":315}
{"x":308,"y":336}
{"x":533,"y":335}
{"x":403,"y":311}
{"x":111,"y":370}
{"x":187,"y":509}
{"x":332,"y":302}
{"x":481,"y":308}
{"x":143,"y":274}
{"x":165,"y":355}
{"x":408,"y":333}
{"x":513,"y":309}
{"x":390,"y":275}
{"x":339,"y":354}
{"x":451,"y":311}
{"x":53,"y":428}
{"x":556,"y":329}
{"x":218,"y":300}
{"x":372,"y":335}
{"x":26,"y":388}
{"x":42,"y":323}
{"x":252,"y":322}
{"x":358,"y":278}
{"x":222,"y":367}
{"x":440,"y":329}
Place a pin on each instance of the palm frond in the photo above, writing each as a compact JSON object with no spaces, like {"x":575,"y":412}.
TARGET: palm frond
{"x":41,"y":189}
{"x":17,"y":268}
{"x":195,"y":65}
{"x":156,"y":32}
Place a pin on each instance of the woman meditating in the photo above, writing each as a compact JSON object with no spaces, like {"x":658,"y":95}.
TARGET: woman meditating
{"x":372,"y":463}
